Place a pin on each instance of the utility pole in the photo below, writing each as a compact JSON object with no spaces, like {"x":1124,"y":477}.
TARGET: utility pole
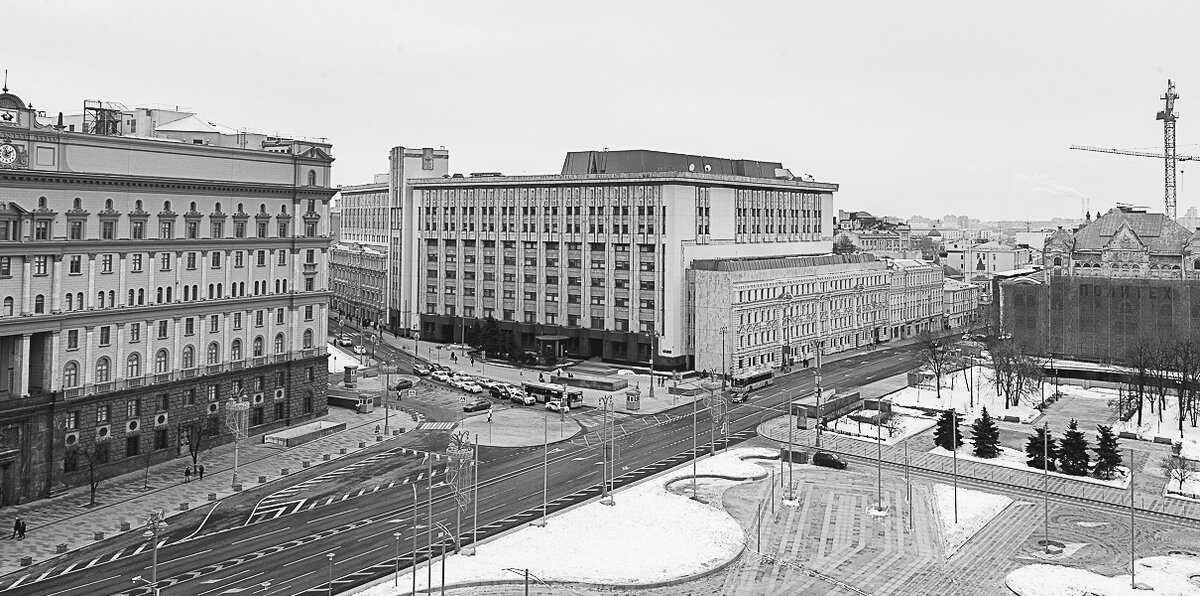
{"x":545,"y":465}
{"x":414,"y":542}
{"x":724,"y":370}
{"x":1132,"y":566}
{"x":1046,"y":483}
{"x":954,"y":451}
{"x":879,"y":453}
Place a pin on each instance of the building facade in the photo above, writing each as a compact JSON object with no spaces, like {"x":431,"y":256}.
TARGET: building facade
{"x":778,"y":312}
{"x":593,"y":261}
{"x":358,"y":280}
{"x":961,"y":303}
{"x":143,"y":282}
{"x":914,"y":297}
{"x":1129,"y":276}
{"x":985,"y":258}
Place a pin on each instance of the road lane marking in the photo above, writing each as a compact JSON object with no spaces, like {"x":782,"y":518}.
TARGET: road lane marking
{"x":256,"y":536}
{"x":331,"y":515}
{"x":70,"y":589}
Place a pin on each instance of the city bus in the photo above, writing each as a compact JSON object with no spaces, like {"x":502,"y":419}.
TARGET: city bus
{"x":544,"y":392}
{"x":744,"y":382}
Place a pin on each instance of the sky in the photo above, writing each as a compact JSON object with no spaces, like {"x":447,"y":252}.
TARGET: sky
{"x":929,"y":108}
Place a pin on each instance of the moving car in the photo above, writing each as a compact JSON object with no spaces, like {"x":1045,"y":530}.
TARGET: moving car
{"x":440,"y":375}
{"x":556,"y":406}
{"x":476,"y":405}
{"x":360,"y":350}
{"x":519,"y":397}
{"x":501,"y":390}
{"x":828,"y":460}
{"x":456,"y":382}
{"x":344,"y":341}
{"x":471,"y":387}
{"x":403,"y":384}
{"x":422,"y":370}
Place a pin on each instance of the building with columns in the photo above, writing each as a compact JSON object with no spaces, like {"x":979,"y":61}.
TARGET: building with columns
{"x":144,"y":281}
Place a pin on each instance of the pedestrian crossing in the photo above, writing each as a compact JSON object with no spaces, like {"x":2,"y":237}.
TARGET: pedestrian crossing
{"x":437,"y":425}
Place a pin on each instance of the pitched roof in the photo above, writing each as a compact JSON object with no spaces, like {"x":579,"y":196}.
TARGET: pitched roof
{"x":193,"y":123}
{"x":1157,"y":231}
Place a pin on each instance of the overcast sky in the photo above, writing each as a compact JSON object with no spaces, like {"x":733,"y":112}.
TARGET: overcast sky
{"x":928,"y":108}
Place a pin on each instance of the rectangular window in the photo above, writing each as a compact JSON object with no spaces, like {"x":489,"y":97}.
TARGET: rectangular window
{"x":106,"y":264}
{"x":215,"y":257}
{"x":214,"y":323}
{"x":160,"y":439}
{"x":597,"y":322}
{"x":5,"y":266}
{"x":193,"y":230}
{"x":133,"y":408}
{"x":135,"y":332}
{"x":256,"y":416}
{"x":72,"y":420}
{"x":132,"y":445}
{"x":238,"y":258}
{"x":282,"y":257}
{"x":309,"y":284}
{"x":310,"y":256}
{"x":164,"y":262}
{"x":308,"y":313}
{"x":279,"y":316}
{"x":218,"y":229}
{"x":163,"y":402}
{"x":162,"y":329}
{"x":310,"y":229}
{"x":190,"y":260}
{"x":166,"y":229}
{"x":136,"y":267}
{"x":237,"y":320}
{"x":75,"y":265}
{"x":108,"y":230}
{"x":39,"y":265}
{"x":239,"y":229}
{"x":262,"y":258}
{"x":189,"y":397}
{"x":137,"y":230}
{"x":41,"y":230}
{"x":105,"y":337}
{"x":103,"y":414}
{"x":214,"y":392}
{"x":262,"y":229}
{"x":73,"y":339}
{"x":283,"y":229}
{"x":189,"y":327}
{"x":76,"y":230}
{"x":258,"y":318}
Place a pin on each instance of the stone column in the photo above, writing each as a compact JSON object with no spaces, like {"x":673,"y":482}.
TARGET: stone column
{"x":53,"y":380}
{"x":204,"y":274}
{"x":26,"y":282}
{"x":87,"y":369}
{"x":22,"y":368}
{"x":118,"y":372}
{"x":56,"y":284}
{"x":121,"y":291}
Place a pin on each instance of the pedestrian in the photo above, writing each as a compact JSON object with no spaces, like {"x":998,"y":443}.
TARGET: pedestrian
{"x":187,"y":474}
{"x":200,"y":471}
{"x":489,"y":415}
{"x":21,"y":530}
{"x":16,"y":528}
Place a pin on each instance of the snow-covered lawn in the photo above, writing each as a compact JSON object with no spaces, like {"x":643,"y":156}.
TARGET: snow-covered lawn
{"x":911,"y":422}
{"x":340,"y":359}
{"x":975,"y":510}
{"x":651,"y":535}
{"x":957,"y":392}
{"x":1166,"y":576}
{"x":1012,"y":458}
{"x":1168,"y":427}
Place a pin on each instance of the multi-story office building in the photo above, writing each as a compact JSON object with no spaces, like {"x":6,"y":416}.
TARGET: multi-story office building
{"x":143,"y":282}
{"x":986,"y":258}
{"x":961,"y":303}
{"x":593,"y":261}
{"x":914,"y":298}
{"x":774,"y":312}
{"x":358,"y":280}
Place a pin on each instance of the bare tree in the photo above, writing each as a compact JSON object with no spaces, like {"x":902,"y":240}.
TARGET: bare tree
{"x":891,"y":423}
{"x":195,"y":435}
{"x":1141,"y":358}
{"x":94,"y":455}
{"x":1179,"y":469}
{"x":1187,"y":366}
{"x":936,"y":356}
{"x":1014,"y":373}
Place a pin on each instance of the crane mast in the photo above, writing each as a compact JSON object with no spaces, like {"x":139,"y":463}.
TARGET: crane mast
{"x":1168,"y":116}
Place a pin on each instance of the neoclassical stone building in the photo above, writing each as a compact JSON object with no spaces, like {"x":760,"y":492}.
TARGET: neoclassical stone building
{"x":144,"y":281}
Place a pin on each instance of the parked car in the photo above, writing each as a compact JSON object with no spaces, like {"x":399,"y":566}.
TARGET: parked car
{"x":828,"y":460}
{"x":471,"y":387}
{"x":521,"y":398}
{"x":403,"y":384}
{"x":476,"y":405}
{"x":360,"y":349}
{"x":738,"y":398}
{"x":344,"y":341}
{"x":455,"y":382}
{"x":487,"y":383}
{"x":422,"y":370}
{"x":440,"y":375}
{"x":500,"y":391}
{"x":557,"y":406}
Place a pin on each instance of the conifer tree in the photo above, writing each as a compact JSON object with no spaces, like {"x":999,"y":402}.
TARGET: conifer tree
{"x":1108,"y":454}
{"x":948,"y":430}
{"x":1073,"y":451}
{"x":985,"y":436}
{"x":1038,"y":443}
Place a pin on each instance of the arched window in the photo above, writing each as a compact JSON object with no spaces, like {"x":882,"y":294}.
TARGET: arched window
{"x":79,"y":300}
{"x":131,"y":302}
{"x":141,"y":296}
{"x":108,"y":204}
{"x":77,"y":204}
{"x":102,"y":369}
{"x":262,"y":207}
{"x":279,"y":343}
{"x":133,"y":366}
{"x":112,"y":298}
{"x":137,"y":205}
{"x":214,"y":353}
{"x":168,"y":293}
{"x":283,"y":209}
{"x":235,"y":350}
{"x":312,"y":177}
{"x":211,"y":289}
{"x":166,"y":205}
{"x":187,"y":291}
{"x":8,"y":305}
{"x":71,"y":374}
{"x":240,"y":208}
{"x":218,"y":208}
{"x":41,"y":202}
{"x":1058,"y":261}
{"x":39,"y":304}
{"x":160,"y":294}
{"x":220,"y":290}
{"x":258,"y":346}
{"x":192,"y":207}
{"x":161,"y":361}
{"x":70,"y":301}
{"x":99,"y":299}
{"x":189,"y":357}
{"x":308,"y":339}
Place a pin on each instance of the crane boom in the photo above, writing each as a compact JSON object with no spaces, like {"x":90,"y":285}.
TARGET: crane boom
{"x":1134,"y":153}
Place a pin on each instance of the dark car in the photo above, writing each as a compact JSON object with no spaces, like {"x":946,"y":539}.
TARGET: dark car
{"x":500,"y":391}
{"x":476,"y":405}
{"x":404,"y":384}
{"x":828,"y":460}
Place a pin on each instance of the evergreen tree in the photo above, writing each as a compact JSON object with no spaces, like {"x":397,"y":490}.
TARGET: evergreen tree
{"x":947,"y":430}
{"x":1108,"y":454}
{"x":1038,"y":443}
{"x":1073,"y":451}
{"x":985,"y":436}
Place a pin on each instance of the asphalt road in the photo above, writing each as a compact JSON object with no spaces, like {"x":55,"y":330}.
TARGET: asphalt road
{"x":291,"y":551}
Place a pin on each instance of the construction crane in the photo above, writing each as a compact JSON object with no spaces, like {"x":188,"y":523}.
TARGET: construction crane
{"x":1168,"y":116}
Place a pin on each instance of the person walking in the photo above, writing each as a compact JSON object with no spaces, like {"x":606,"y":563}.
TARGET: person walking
{"x":489,"y":415}
{"x":200,"y":471}
{"x":187,"y":474}
{"x":21,"y":530}
{"x":16,"y":529}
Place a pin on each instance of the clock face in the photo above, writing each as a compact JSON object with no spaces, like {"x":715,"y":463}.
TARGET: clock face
{"x":8,"y":154}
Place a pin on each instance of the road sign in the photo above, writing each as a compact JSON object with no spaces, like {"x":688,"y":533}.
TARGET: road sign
{"x":411,"y":393}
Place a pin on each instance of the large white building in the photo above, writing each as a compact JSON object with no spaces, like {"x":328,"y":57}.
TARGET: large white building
{"x":146,"y":278}
{"x":593,"y":261}
{"x":914,"y":298}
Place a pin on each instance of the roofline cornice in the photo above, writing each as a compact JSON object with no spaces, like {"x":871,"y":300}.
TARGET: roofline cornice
{"x":183,"y":186}
{"x":642,"y":177}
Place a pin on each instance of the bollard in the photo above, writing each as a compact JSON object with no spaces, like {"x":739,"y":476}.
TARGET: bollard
{"x":262,"y":479}
{"x":124,"y":526}
{"x":285,"y":471}
{"x":26,"y":561}
{"x":342,"y":451}
{"x":378,"y":438}
{"x":183,"y":506}
{"x":305,"y":464}
{"x":237,"y":488}
{"x":325,"y":457}
{"x":362,"y":444}
{"x":60,"y":548}
{"x":396,"y":432}
{"x":212,"y":496}
{"x":401,"y":430}
{"x":97,"y":535}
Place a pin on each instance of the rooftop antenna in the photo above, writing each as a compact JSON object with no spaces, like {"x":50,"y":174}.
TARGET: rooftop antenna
{"x":6,"y":80}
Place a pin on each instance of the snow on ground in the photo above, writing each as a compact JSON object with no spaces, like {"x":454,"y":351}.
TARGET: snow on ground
{"x":1165,"y":576}
{"x":911,"y":422}
{"x":650,"y":535}
{"x":975,"y":510}
{"x":1017,"y":460}
{"x":1167,"y":427}
{"x":340,"y":359}
{"x":957,"y":391}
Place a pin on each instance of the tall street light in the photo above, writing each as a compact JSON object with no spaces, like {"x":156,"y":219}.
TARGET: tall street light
{"x":445,"y":534}
{"x":414,"y":538}
{"x":388,"y":367}
{"x":396,"y":573}
{"x":236,"y":410}
{"x":606,"y":405}
{"x":330,"y":557}
{"x":545,"y":468}
{"x":154,"y":526}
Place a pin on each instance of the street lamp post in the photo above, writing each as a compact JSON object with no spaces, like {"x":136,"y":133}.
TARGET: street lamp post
{"x":1046,"y":483}
{"x":235,"y":418}
{"x":545,"y":468}
{"x":330,"y":557}
{"x":396,"y":573}
{"x":414,"y":540}
{"x":724,"y":371}
{"x":606,"y":441}
{"x":154,"y":526}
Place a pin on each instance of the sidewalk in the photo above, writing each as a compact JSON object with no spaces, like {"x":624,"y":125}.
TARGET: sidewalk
{"x":430,"y":352}
{"x":121,"y":500}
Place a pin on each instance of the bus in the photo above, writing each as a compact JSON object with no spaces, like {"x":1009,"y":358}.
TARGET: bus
{"x":745,"y":382}
{"x":544,"y":392}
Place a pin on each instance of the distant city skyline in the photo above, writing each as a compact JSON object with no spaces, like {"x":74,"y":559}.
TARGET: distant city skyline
{"x":973,"y":111}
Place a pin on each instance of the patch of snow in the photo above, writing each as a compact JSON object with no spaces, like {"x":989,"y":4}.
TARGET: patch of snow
{"x":968,"y":391}
{"x":1084,"y":524}
{"x":650,"y":535}
{"x":1066,"y":551}
{"x":1164,"y":576}
{"x":912,"y":422}
{"x":975,"y":510}
{"x":339,"y":359}
{"x":1012,"y":458}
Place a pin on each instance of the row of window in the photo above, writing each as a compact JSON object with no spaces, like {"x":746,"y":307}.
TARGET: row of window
{"x":40,"y":263}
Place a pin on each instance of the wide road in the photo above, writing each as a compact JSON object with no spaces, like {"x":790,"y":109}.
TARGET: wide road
{"x":291,"y":552}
